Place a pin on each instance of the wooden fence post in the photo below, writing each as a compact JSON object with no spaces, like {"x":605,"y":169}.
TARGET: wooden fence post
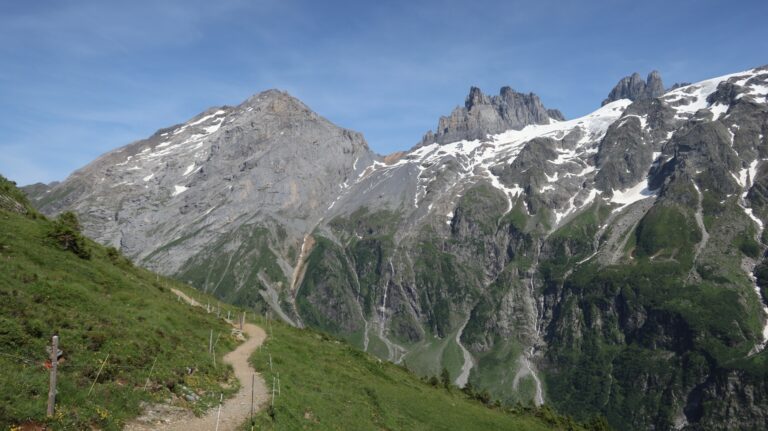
{"x":54,"y":368}
{"x":253,"y":390}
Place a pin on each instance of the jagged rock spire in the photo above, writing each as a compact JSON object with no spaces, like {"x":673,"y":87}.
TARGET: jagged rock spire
{"x":482,"y":115}
{"x":634,"y":88}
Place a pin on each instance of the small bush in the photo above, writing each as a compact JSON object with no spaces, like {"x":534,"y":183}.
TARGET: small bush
{"x":445,"y":379}
{"x":69,"y":219}
{"x":484,"y":397}
{"x":747,"y":244}
{"x":66,"y":233}
{"x":113,"y":254}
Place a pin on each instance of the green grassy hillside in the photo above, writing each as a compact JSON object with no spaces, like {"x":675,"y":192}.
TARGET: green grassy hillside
{"x":326,"y":384}
{"x":54,"y":281}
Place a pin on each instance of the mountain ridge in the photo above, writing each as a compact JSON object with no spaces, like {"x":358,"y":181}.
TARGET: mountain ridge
{"x":552,"y":254}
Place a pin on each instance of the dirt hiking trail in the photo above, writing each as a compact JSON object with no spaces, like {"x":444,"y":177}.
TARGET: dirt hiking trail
{"x":235,"y":411}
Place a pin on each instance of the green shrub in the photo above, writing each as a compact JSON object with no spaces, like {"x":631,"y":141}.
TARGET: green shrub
{"x":445,"y":378}
{"x":66,"y":233}
{"x":113,"y":254}
{"x":747,"y":244}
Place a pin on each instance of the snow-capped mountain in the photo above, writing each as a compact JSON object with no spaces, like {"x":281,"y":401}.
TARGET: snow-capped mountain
{"x":541,"y":259}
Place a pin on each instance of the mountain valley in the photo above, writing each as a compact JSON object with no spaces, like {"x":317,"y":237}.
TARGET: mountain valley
{"x":612,"y":264}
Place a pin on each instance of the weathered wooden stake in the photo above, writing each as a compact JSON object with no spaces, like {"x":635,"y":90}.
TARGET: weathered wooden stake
{"x":213,"y":348}
{"x":270,"y":362}
{"x":98,"y":374}
{"x":210,"y":342}
{"x":278,"y":384}
{"x":54,"y":368}
{"x":253,"y":389}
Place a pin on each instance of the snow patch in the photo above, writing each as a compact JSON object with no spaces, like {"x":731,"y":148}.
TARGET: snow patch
{"x":631,"y":195}
{"x":551,"y":179}
{"x":215,"y":114}
{"x":125,"y":162}
{"x":695,"y":96}
{"x":213,"y":128}
{"x":177,"y":190}
{"x":758,"y":222}
{"x":717,"y":110}
{"x":643,"y":120}
{"x":189,"y":170}
{"x":758,"y":90}
{"x":572,"y":207}
{"x":747,"y":175}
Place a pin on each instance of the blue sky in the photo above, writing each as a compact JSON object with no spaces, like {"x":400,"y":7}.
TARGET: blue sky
{"x":78,"y":78}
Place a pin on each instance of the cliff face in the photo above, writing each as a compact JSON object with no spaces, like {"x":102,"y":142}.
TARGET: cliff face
{"x":608,"y":264}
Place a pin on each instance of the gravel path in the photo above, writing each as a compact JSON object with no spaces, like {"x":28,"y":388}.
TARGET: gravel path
{"x":234,"y":412}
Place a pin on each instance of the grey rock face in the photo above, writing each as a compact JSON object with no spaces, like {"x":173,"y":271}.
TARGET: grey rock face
{"x":634,"y":88}
{"x":269,"y":162}
{"x":483,"y":115}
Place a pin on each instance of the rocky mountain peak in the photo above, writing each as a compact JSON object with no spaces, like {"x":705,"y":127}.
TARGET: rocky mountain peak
{"x":275,"y":102}
{"x":482,"y":115}
{"x":634,"y":88}
{"x":476,"y":97}
{"x":224,"y":168}
{"x":654,"y":84}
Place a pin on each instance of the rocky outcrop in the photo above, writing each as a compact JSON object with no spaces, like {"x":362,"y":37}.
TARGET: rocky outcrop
{"x":482,"y":115}
{"x":634,"y":88}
